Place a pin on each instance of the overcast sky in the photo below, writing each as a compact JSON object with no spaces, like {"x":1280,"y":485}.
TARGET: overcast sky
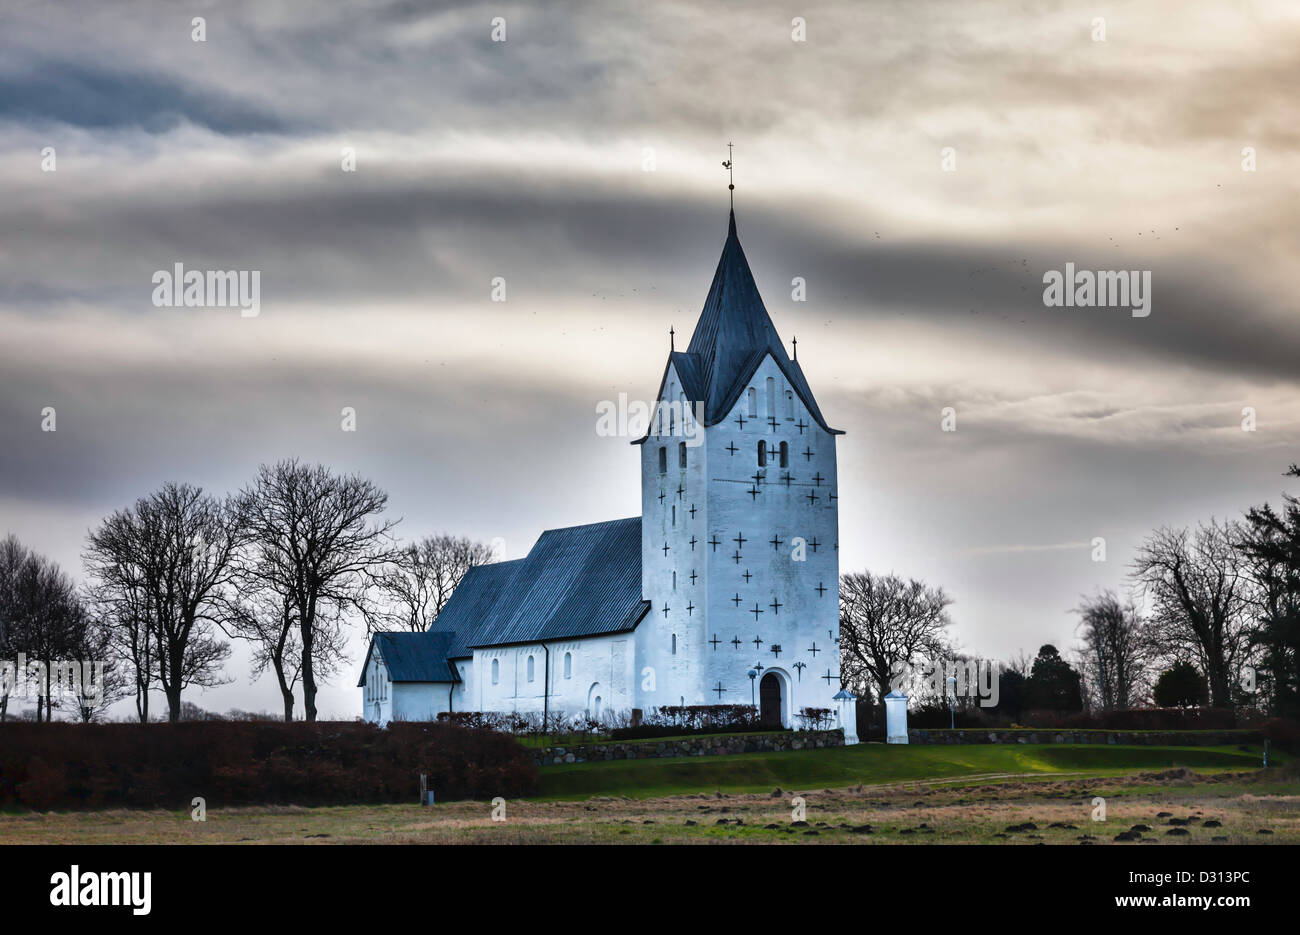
{"x":526,"y":160}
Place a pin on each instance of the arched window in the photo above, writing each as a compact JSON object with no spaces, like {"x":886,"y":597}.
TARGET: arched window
{"x":530,"y":668}
{"x":663,"y":460}
{"x":785,"y":454}
{"x":681,"y":455}
{"x":752,"y":397}
{"x":771,"y":398}
{"x":674,"y":514}
{"x":789,"y":404}
{"x":674,"y":644}
{"x":496,"y":671}
{"x":568,"y":665}
{"x":762,"y":454}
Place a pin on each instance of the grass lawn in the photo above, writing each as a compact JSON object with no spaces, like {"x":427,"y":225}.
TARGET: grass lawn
{"x":872,"y":764}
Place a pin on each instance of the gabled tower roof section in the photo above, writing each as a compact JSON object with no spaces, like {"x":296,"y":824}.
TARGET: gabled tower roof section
{"x":731,"y":339}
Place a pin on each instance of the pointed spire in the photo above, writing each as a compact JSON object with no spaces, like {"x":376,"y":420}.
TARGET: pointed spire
{"x":672,"y":339}
{"x":794,"y":340}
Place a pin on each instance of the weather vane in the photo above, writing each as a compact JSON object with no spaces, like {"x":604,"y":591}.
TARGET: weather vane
{"x":731,"y":180}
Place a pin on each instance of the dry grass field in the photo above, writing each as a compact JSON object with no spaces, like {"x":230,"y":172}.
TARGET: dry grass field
{"x":1178,"y":806}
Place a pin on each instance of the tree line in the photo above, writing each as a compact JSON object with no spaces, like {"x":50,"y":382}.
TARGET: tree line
{"x":1211,"y":617}
{"x":288,"y":564}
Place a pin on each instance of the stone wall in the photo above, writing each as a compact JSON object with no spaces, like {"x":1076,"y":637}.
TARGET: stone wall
{"x":701,"y":745}
{"x":1191,"y":738}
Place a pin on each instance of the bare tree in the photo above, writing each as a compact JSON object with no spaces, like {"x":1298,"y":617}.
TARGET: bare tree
{"x":885,"y":624}
{"x":123,"y":607}
{"x":111,"y":680}
{"x":1115,"y":655}
{"x":423,"y":576}
{"x":1200,"y":596}
{"x":315,"y":543}
{"x":43,"y":619}
{"x":170,"y":556}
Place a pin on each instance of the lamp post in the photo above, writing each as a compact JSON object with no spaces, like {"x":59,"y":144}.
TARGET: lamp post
{"x":952,"y":681}
{"x":753,"y":674}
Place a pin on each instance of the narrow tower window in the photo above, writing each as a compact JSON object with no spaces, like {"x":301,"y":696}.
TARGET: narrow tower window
{"x":663,"y":460}
{"x":752,"y":395}
{"x":568,"y":665}
{"x":681,"y":455}
{"x":496,"y":671}
{"x":762,"y":454}
{"x":674,"y":644}
{"x":771,"y":398}
{"x":785,"y":454}
{"x":530,"y":668}
{"x":789,"y":404}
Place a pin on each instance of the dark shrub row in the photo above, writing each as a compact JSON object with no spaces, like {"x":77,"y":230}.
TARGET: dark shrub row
{"x":686,"y":720}
{"x":45,"y":766}
{"x":936,"y":717}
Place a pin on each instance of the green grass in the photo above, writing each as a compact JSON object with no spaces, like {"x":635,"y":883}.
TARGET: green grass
{"x":871,"y":764}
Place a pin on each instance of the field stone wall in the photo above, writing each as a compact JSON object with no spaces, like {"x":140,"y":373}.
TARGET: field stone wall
{"x":702,"y":745}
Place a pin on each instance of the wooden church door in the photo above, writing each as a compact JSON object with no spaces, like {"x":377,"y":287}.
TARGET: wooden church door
{"x":769,"y":700}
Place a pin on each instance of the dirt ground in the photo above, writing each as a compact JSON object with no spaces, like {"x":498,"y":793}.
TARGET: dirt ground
{"x":1172,"y":807}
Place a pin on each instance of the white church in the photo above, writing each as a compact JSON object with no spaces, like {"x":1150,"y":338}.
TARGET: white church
{"x":724,"y":591}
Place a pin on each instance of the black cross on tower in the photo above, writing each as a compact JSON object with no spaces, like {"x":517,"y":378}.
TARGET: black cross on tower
{"x":740,"y":540}
{"x":735,"y":642}
{"x":661,"y":498}
{"x":818,"y":478}
{"x":776,"y":606}
{"x":758,"y":640}
{"x":736,"y":557}
{"x":820,"y":589}
{"x":733,"y":449}
{"x":693,"y":576}
{"x":753,"y":492}
{"x":746,"y":576}
{"x":692,"y":511}
{"x":756,"y":612}
{"x":776,"y":650}
{"x":829,"y":678}
{"x":812,"y":498}
{"x":736,"y":600}
{"x":813,"y":543}
{"x":776,"y":543}
{"x":801,"y":425}
{"x":758,"y":667}
{"x":681,"y":492}
{"x":665,"y":611}
{"x":808,"y":453}
{"x":693,"y":541}
{"x":665,"y":548}
{"x":715,"y":542}
{"x":813,"y":649}
{"x":690,"y":608}
{"x":719,"y":690}
{"x":715,"y":641}
{"x":771,"y":420}
{"x":740,"y":420}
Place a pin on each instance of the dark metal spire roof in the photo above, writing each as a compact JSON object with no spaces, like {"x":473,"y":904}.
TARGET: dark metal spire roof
{"x":731,"y":339}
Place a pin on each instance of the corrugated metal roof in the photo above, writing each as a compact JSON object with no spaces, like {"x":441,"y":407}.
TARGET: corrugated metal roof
{"x":413,"y":657}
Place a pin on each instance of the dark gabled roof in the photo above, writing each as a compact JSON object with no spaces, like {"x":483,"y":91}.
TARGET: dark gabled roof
{"x":731,"y":339}
{"x":413,"y":657}
{"x":576,"y":582}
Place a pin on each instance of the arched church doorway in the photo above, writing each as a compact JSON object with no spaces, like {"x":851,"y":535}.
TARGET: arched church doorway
{"x":769,"y":700}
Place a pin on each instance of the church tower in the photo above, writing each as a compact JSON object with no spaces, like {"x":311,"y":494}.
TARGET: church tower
{"x":740,"y":533}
